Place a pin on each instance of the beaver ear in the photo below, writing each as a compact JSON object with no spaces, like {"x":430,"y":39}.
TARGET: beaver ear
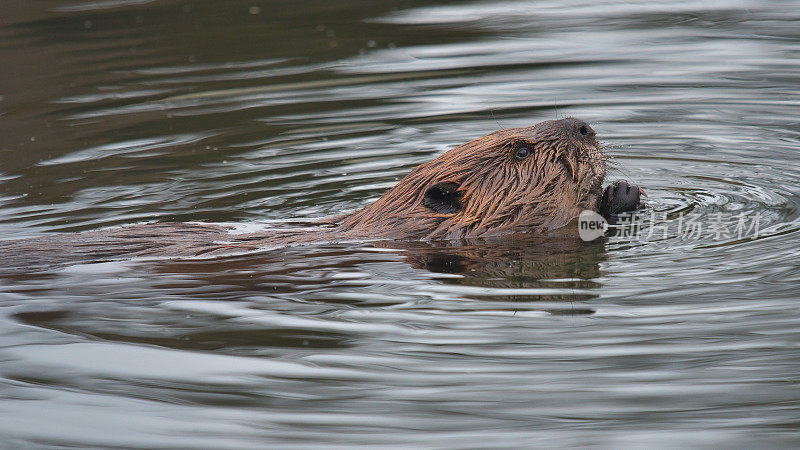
{"x":443,"y":198}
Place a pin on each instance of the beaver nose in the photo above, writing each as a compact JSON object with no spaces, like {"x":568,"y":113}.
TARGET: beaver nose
{"x":577,"y":128}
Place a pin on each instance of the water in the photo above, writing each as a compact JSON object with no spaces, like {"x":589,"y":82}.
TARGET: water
{"x":115,"y":112}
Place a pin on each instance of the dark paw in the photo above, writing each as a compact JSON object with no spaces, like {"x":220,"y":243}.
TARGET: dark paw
{"x":620,"y":197}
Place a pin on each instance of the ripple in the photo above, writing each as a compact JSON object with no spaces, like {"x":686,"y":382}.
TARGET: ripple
{"x":142,"y":148}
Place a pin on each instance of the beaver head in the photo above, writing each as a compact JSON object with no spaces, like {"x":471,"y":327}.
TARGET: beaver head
{"x":530,"y":179}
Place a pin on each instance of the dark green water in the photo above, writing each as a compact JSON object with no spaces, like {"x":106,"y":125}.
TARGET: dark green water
{"x":120,"y":111}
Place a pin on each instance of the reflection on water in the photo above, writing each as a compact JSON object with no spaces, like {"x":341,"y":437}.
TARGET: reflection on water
{"x":116,"y":112}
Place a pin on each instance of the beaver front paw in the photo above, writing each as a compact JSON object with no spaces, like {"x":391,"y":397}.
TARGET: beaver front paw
{"x":620,"y":197}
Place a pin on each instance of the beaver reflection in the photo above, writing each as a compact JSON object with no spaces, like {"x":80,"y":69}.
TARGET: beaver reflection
{"x":526,"y":261}
{"x":555,"y":268}
{"x":297,"y":282}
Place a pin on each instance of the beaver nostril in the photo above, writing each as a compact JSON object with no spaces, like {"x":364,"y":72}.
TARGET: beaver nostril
{"x":586,"y":131}
{"x":573,"y":127}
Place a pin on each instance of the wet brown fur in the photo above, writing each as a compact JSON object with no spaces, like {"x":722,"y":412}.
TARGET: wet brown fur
{"x":501,"y":195}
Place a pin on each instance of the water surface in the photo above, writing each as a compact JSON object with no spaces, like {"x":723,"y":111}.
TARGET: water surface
{"x":121,"y":111}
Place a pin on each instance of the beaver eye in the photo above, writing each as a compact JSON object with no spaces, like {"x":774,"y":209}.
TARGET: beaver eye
{"x":522,"y":153}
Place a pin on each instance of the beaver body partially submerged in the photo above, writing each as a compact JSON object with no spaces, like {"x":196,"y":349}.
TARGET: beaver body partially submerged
{"x":519,"y":180}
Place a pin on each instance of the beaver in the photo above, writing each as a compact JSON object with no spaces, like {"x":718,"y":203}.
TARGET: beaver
{"x":519,"y":180}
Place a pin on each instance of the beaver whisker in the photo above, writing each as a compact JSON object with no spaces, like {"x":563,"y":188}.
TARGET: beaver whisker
{"x":599,"y":160}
